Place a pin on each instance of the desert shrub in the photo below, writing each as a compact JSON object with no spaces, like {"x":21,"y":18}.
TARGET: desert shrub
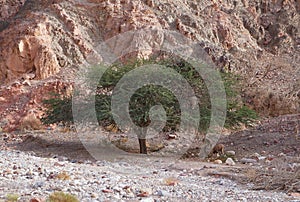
{"x":237,"y":115}
{"x":282,"y":176}
{"x":62,"y":197}
{"x":60,"y":109}
{"x":237,"y":112}
{"x":12,"y":197}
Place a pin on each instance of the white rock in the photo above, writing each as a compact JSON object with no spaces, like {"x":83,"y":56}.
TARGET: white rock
{"x":282,"y":154}
{"x":94,"y":195}
{"x":147,"y":199}
{"x":256,"y":155}
{"x":218,"y":161}
{"x":163,"y":193}
{"x":230,"y":162}
{"x":261,"y":158}
{"x":230,"y":153}
{"x":147,"y":190}
{"x":129,"y":195}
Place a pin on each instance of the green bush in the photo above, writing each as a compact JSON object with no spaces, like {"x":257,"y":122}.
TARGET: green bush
{"x":60,"y":108}
{"x":146,"y":97}
{"x":237,"y":112}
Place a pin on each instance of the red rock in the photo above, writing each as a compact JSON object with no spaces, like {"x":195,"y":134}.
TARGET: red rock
{"x":295,"y":194}
{"x":107,"y":191}
{"x":143,"y":194}
{"x":37,"y":200}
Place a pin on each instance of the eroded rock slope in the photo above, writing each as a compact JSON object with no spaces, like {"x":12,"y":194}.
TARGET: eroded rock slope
{"x":42,"y":43}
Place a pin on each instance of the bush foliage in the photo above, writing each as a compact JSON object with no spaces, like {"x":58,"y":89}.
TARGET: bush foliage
{"x":60,"y":108}
{"x":61,"y":197}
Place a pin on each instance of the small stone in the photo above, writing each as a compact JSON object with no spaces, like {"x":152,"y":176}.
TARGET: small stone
{"x":58,"y":164}
{"x":38,"y":185}
{"x":62,"y":158}
{"x":147,"y":190}
{"x":247,"y":160}
{"x":117,"y":197}
{"x":94,"y":195}
{"x":295,"y":194}
{"x":256,"y":155}
{"x":172,"y":136}
{"x":230,"y":162}
{"x":143,"y":194}
{"x":36,"y":200}
{"x":230,"y":153}
{"x":163,"y":193}
{"x":130,"y":195}
{"x":107,"y":191}
{"x":218,"y":161}
{"x":267,"y":161}
{"x":147,"y":199}
{"x":171,"y":181}
{"x":261,"y":158}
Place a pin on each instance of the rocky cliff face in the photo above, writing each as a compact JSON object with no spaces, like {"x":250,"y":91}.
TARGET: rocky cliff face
{"x":42,"y":42}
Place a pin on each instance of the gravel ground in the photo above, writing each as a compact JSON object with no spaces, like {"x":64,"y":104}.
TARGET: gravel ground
{"x":30,"y":176}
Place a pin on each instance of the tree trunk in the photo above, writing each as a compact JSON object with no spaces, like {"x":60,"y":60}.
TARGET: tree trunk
{"x":141,"y":133}
{"x":143,"y":147}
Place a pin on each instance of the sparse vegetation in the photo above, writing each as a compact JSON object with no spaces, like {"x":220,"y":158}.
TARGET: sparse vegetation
{"x":63,"y":176}
{"x":12,"y":197}
{"x":283,"y":177}
{"x":59,"y":110}
{"x":62,"y":197}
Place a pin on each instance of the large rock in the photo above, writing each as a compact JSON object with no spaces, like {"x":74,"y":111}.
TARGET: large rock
{"x":258,"y":40}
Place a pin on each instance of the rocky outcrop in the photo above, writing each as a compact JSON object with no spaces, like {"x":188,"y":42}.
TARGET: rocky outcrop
{"x":21,"y":103}
{"x":9,"y":8}
{"x":258,"y":40}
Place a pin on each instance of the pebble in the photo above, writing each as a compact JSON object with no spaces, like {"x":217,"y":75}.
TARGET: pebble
{"x":281,"y":154}
{"x":36,"y":200}
{"x":262,"y":158}
{"x":105,"y":181}
{"x":163,"y":193}
{"x":230,"y":153}
{"x":218,"y":161}
{"x":247,"y":160}
{"x":94,"y":195}
{"x":257,"y":155}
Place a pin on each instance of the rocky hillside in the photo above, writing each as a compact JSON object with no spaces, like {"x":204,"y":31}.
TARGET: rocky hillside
{"x":43,"y":41}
